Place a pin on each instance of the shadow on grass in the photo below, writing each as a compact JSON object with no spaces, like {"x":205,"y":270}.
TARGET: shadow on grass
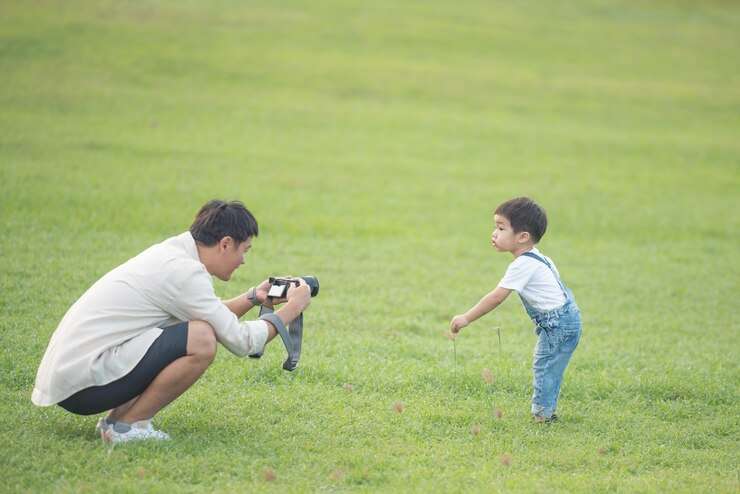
{"x":76,"y":428}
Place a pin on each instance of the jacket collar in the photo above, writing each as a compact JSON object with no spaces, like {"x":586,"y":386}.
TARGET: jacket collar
{"x":188,"y":243}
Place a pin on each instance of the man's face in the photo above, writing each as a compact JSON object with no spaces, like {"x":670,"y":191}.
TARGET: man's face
{"x":231,"y":256}
{"x":503,"y":237}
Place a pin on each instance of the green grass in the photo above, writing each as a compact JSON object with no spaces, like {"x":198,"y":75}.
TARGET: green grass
{"x":372,"y":143}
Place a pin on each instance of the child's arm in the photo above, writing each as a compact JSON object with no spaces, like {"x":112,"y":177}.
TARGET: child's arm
{"x":486,"y":305}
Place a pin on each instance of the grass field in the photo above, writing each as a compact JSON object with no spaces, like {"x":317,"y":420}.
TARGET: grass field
{"x":372,"y":143}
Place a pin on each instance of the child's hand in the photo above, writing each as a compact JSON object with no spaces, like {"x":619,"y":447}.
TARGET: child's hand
{"x":457,"y":323}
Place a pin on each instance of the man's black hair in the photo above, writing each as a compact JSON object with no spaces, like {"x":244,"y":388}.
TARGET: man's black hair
{"x":525,"y":215}
{"x":218,"y":219}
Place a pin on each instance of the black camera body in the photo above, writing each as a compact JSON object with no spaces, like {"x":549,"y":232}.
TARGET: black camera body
{"x":279,"y":286}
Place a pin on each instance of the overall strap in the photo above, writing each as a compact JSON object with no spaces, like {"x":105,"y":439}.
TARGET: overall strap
{"x":544,"y":261}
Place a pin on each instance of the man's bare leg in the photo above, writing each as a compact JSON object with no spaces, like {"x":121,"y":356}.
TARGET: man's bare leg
{"x":174,"y":379}
{"x":116,"y":414}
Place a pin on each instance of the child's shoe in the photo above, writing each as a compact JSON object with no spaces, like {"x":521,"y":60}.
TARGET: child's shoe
{"x":539,"y":419}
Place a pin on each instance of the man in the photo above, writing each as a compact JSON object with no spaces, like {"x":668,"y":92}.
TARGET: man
{"x":146,"y":331}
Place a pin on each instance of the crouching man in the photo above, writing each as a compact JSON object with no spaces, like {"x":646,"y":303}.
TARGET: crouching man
{"x":146,"y":331}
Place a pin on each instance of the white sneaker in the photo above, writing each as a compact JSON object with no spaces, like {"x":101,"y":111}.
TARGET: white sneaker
{"x":138,"y":431}
{"x":101,"y":427}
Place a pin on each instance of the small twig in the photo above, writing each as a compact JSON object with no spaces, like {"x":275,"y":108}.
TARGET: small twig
{"x":454,"y":353}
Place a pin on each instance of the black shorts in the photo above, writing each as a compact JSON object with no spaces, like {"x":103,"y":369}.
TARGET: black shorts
{"x":168,"y":347}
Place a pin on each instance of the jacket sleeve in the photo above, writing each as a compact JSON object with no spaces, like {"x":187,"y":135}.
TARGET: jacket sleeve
{"x":192,"y":298}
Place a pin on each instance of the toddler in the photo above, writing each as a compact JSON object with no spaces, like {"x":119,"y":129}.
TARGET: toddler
{"x":520,"y":224}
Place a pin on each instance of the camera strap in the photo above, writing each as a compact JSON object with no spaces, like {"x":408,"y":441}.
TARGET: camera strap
{"x":292,"y":336}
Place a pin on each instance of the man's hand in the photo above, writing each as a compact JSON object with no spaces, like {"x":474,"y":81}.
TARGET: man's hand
{"x":458,"y":322}
{"x":298,"y":298}
{"x":262,"y":290}
{"x":299,"y":295}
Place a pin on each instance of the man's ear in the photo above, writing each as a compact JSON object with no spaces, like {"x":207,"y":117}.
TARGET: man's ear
{"x":224,"y":243}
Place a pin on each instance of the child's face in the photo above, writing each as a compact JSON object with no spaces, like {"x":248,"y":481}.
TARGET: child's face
{"x":503,"y":237}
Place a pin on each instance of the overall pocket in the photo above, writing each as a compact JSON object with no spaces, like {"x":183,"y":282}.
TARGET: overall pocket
{"x":547,"y":342}
{"x":547,"y":322}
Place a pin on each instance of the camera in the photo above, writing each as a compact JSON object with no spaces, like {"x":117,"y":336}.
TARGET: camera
{"x":292,"y":336}
{"x":279,"y":286}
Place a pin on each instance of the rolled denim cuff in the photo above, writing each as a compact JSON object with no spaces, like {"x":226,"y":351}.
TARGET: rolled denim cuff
{"x":542,"y":411}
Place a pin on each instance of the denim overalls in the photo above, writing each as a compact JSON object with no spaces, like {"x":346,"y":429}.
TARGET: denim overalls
{"x":558,"y":331}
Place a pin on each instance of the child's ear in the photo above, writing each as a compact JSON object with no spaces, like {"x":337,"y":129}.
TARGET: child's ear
{"x":523,"y":237}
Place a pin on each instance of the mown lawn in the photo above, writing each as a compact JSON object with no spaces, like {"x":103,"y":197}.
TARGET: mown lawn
{"x":372,"y":142}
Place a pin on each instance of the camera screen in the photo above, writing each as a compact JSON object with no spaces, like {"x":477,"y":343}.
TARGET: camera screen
{"x":276,"y":291}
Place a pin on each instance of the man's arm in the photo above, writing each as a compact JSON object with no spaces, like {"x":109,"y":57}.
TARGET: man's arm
{"x":298,"y":299}
{"x":297,"y":302}
{"x":486,"y":305}
{"x":240,"y":304}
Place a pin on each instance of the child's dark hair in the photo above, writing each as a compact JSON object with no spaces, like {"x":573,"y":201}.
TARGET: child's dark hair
{"x":219,"y":219}
{"x":525,"y":215}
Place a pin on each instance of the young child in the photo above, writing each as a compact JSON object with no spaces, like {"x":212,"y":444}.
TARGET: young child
{"x":520,"y":224}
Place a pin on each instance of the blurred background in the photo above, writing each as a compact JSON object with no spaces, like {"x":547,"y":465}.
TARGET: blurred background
{"x":372,"y":142}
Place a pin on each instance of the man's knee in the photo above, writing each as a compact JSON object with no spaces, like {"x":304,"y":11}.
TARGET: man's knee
{"x":202,"y":340}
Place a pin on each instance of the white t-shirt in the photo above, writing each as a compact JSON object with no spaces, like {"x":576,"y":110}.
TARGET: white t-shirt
{"x":534,"y":281}
{"x":112,"y":325}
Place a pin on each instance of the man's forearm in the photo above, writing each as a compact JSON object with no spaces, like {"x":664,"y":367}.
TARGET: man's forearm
{"x":288,"y":312}
{"x":298,"y":300}
{"x":239,"y":305}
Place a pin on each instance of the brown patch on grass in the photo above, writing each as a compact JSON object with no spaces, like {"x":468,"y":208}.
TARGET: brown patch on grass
{"x":269,"y":474}
{"x":337,"y":475}
{"x":398,"y":407}
{"x":506,"y":459}
{"x":487,"y":375}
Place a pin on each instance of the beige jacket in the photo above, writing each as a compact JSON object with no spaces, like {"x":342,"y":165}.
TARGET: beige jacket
{"x":109,"y":329}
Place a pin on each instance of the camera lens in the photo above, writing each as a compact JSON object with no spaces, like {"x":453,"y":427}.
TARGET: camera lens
{"x":312,"y":282}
